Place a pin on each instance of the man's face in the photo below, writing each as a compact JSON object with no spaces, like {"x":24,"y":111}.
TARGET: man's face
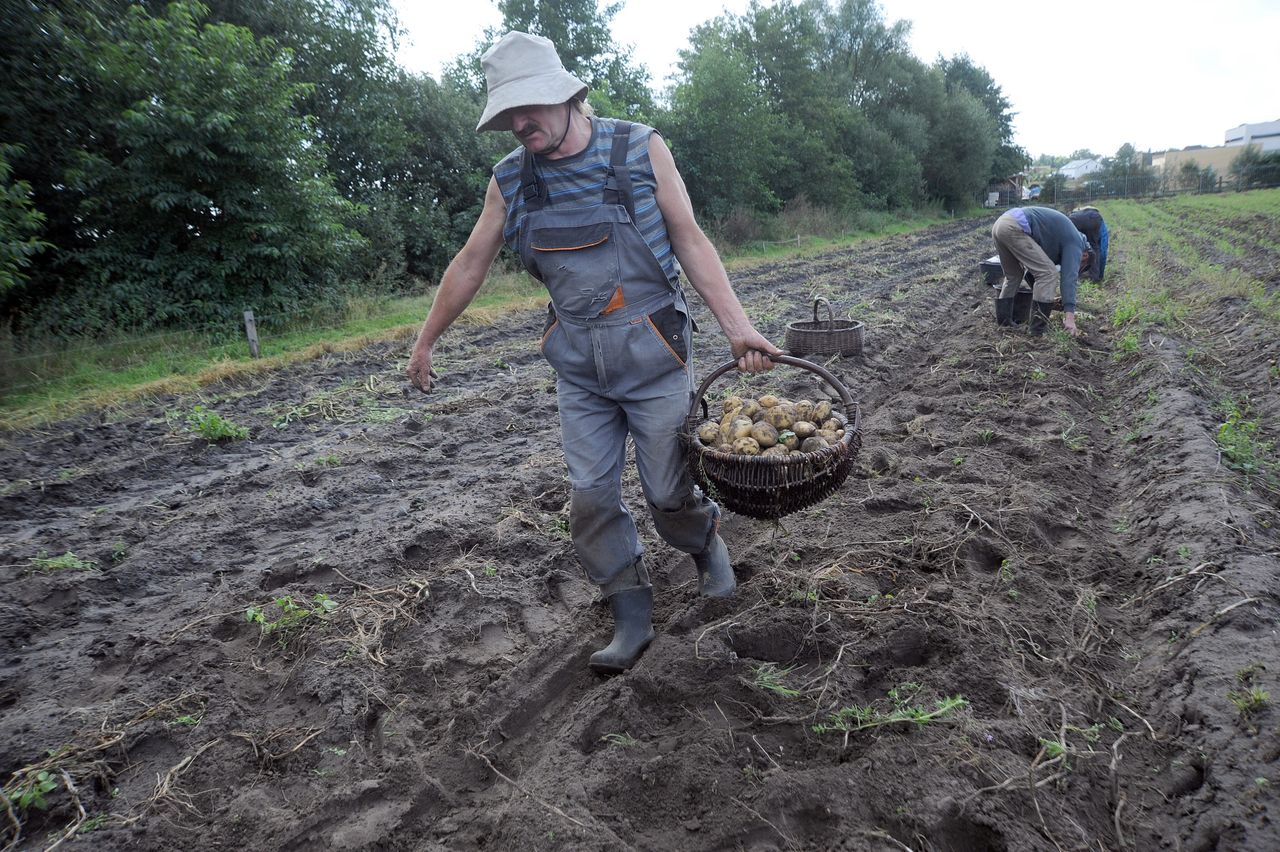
{"x":539,"y":128}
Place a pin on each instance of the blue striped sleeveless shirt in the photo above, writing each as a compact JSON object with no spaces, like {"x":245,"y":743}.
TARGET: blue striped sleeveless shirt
{"x":578,"y":181}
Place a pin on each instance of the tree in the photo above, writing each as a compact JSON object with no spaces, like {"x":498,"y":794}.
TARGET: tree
{"x":208,"y":193}
{"x":1252,"y":168}
{"x":1126,"y":157}
{"x":961,"y":74}
{"x":861,"y":47}
{"x":963,"y":141}
{"x":715,"y":99}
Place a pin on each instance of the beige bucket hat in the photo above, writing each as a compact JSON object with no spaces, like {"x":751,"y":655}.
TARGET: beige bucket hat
{"x":524,"y":70}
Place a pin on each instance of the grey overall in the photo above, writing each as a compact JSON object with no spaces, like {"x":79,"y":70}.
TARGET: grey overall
{"x":618,"y":335}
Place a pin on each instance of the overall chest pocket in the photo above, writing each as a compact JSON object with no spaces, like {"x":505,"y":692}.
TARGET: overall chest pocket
{"x":579,"y":264}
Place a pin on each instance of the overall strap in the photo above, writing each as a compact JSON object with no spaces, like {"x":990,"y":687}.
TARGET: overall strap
{"x":532,"y":188}
{"x":617,"y":183}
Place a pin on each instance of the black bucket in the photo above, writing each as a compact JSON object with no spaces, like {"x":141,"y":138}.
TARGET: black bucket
{"x":1022,"y":307}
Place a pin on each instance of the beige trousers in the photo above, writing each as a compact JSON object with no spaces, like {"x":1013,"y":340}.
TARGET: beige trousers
{"x":1019,"y":254}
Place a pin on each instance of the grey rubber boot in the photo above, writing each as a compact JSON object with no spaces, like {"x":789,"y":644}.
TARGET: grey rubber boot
{"x":1004,"y":311}
{"x":1040,"y":313}
{"x":632,"y":631}
{"x":715,"y":572}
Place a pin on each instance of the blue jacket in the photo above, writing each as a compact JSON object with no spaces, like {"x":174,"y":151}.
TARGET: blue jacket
{"x":1090,"y":223}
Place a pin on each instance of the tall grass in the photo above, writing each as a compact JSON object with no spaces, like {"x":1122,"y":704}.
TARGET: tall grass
{"x":46,"y":384}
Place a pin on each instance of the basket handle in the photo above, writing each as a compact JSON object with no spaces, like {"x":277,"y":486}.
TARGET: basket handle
{"x":826,"y":374}
{"x":831,"y":319}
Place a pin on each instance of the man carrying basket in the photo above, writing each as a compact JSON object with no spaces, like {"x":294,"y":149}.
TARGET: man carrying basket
{"x":598,"y":212}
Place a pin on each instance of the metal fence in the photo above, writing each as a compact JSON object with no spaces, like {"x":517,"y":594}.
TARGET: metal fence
{"x":1143,"y":187}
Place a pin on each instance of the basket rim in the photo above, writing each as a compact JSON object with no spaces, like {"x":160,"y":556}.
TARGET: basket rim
{"x":825,"y":325}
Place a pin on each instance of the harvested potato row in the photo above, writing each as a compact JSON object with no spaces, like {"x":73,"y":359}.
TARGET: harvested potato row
{"x":772,"y":426}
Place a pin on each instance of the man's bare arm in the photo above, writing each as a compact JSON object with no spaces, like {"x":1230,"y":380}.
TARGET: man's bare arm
{"x":461,"y":281}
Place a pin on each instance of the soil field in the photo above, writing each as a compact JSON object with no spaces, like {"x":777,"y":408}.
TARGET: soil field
{"x":1040,"y":615}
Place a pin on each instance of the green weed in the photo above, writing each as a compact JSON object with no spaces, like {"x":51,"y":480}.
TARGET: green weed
{"x":284,"y":614}
{"x":987,"y":436}
{"x":1052,"y":748}
{"x":1126,"y":346}
{"x":1242,"y":446}
{"x":29,"y":790}
{"x":769,"y":677}
{"x":66,"y":562}
{"x":213,"y":427}
{"x":623,"y":740}
{"x":895,"y":708}
{"x":93,"y":823}
{"x":1249,"y":700}
{"x":1072,"y":438}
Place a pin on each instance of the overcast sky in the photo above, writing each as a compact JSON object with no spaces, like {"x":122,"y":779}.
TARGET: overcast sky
{"x":1092,"y":75}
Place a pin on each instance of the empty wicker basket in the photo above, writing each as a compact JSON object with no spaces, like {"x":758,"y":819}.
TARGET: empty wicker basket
{"x":825,"y":337}
{"x":770,"y":487}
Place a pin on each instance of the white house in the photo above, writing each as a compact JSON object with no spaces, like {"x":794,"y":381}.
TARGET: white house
{"x":1077,"y":169}
{"x":1265,"y":135}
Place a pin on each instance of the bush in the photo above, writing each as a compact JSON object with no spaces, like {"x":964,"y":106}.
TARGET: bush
{"x":19,"y":225}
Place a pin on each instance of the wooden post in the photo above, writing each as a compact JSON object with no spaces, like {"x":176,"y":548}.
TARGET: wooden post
{"x":251,"y":331}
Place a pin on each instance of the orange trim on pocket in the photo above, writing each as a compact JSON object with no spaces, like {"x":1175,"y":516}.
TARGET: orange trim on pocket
{"x":673,"y":352}
{"x":542,"y":343}
{"x":616,"y":302}
{"x":603,"y":239}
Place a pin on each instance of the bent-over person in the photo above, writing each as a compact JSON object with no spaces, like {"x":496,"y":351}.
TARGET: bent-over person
{"x":1034,"y":240}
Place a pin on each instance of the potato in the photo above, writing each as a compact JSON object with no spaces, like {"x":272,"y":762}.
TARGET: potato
{"x":777,"y":450}
{"x":813,"y":445}
{"x":821,"y":410}
{"x":709,"y":432}
{"x":803,"y":428}
{"x":746,"y":447}
{"x":779,"y":417}
{"x":804,"y":410}
{"x":732,"y":404}
{"x":788,"y":439}
{"x":740,"y":427}
{"x":750,"y":408}
{"x":827,"y":435}
{"x":832,"y":424}
{"x":766,"y":436}
{"x":768,"y":401}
